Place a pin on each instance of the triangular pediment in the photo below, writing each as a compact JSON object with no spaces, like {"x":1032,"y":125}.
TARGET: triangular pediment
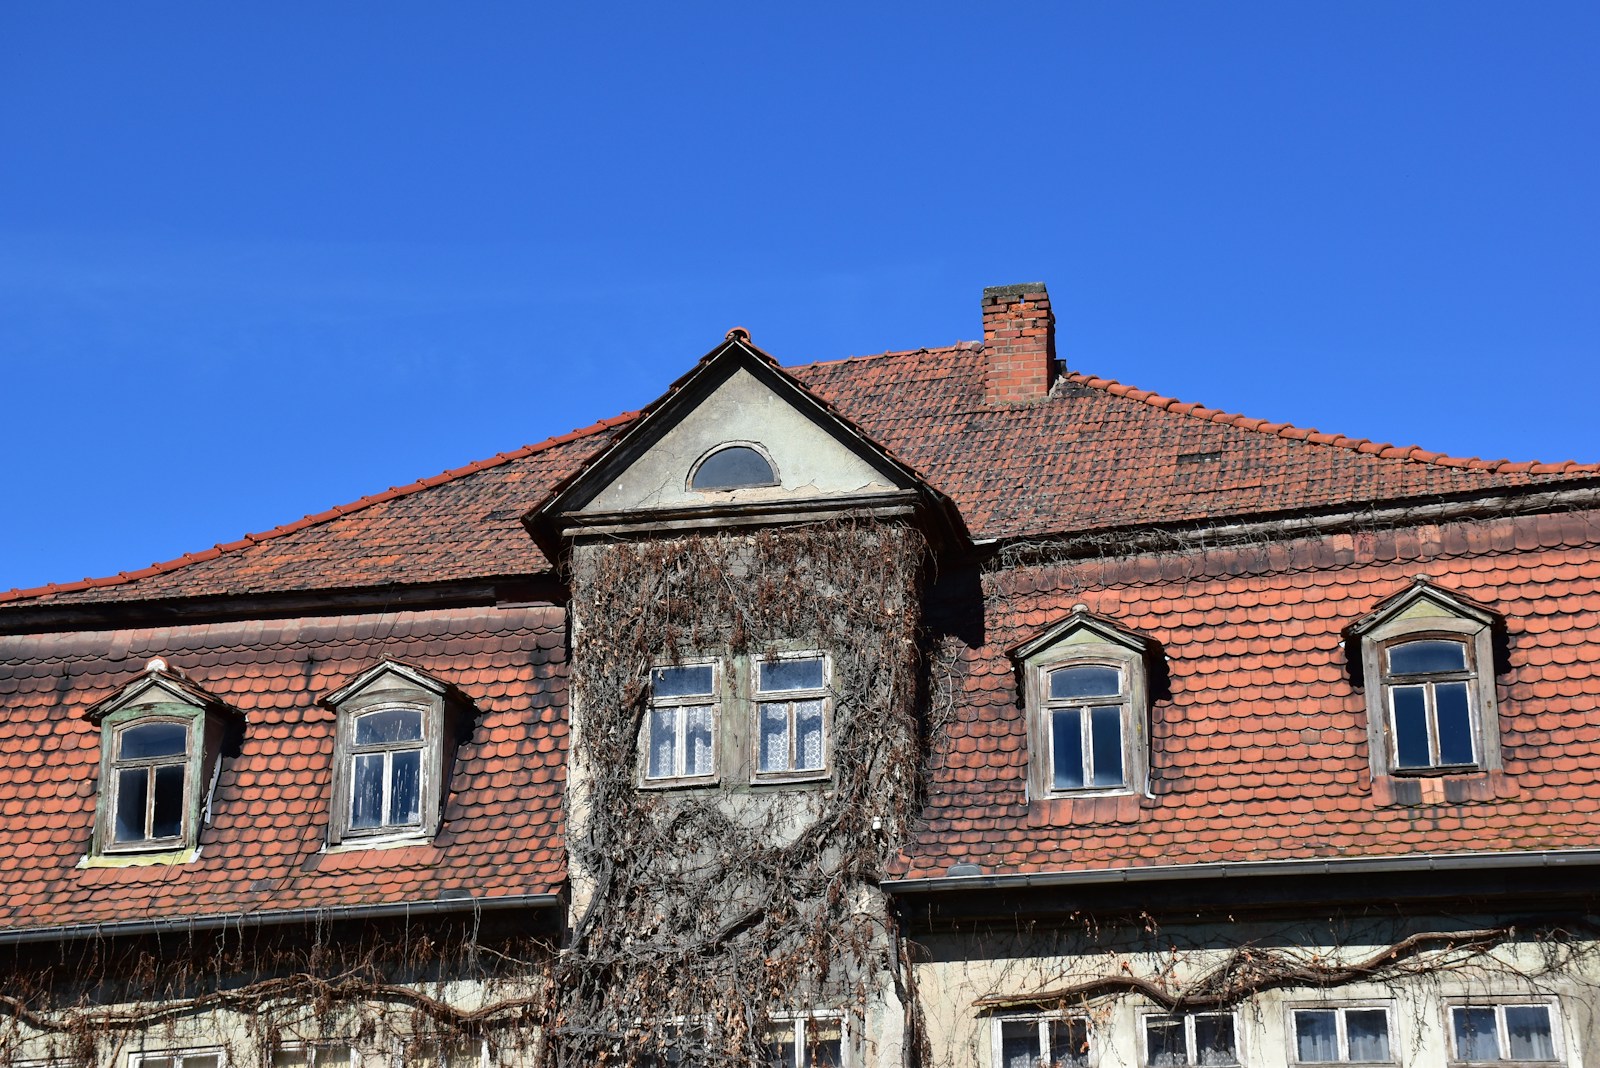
{"x":736,"y":441}
{"x":1422,"y":600}
{"x":158,"y":685}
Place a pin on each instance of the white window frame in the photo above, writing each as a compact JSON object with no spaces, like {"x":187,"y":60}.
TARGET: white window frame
{"x":791,"y":698}
{"x":1188,"y":1035}
{"x":1553,"y":1013}
{"x":1126,"y":671}
{"x":177,"y":1057}
{"x":345,"y":1053}
{"x":679,"y":704}
{"x":1042,"y":1021}
{"x":800,"y":1021}
{"x":1343,"y":1037}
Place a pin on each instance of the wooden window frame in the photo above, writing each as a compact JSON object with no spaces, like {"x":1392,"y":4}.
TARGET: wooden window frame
{"x":1132,"y":704}
{"x":1041,"y":1036}
{"x":1339,"y":1008}
{"x":393,"y":691}
{"x":201,"y":751}
{"x":177,"y":1057}
{"x":1189,"y":1018}
{"x":801,"y":1023}
{"x":1552,"y":1007}
{"x":823,"y":693}
{"x":1477,"y":641}
{"x":715,"y":698}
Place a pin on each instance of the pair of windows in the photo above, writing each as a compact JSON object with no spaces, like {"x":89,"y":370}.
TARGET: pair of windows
{"x":811,"y":1040}
{"x":1427,"y":662}
{"x":163,"y":737}
{"x":783,"y":735}
{"x":1066,"y":1041}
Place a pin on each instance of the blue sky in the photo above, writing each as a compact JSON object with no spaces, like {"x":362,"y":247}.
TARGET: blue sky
{"x":259,"y":260}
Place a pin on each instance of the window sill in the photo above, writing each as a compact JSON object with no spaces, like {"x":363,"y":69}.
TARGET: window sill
{"x":1410,"y":789}
{"x":790,"y":778}
{"x":135,"y":860}
{"x":1078,"y":809}
{"x":706,"y":782}
{"x":379,"y":841}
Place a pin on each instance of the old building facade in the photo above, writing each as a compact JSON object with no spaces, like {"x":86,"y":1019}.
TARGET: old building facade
{"x":940,"y":707}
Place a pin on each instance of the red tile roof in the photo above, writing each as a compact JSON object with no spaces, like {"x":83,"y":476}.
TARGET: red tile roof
{"x":1260,"y":750}
{"x":262,"y":849}
{"x":1094,"y":455}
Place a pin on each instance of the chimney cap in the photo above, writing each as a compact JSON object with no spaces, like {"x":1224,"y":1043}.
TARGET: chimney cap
{"x":1021,"y":288}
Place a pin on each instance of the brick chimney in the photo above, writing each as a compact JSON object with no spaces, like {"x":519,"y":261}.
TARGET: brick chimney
{"x":1019,"y":337}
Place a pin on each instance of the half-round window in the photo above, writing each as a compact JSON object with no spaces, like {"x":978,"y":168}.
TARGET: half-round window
{"x":733,"y":467}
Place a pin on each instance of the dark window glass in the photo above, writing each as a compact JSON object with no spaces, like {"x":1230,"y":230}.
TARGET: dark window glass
{"x":1528,"y":1033}
{"x":1411,"y":727}
{"x":1087,"y":680}
{"x":1454,"y":722}
{"x":166,"y":810}
{"x":1475,"y":1034}
{"x":791,"y":674}
{"x":663,"y":743}
{"x":1019,"y":1044}
{"x":1164,"y":1042}
{"x":691,"y":680}
{"x":133,"y":785}
{"x":405,"y":787}
{"x":1106,"y":732}
{"x":366,"y":792}
{"x":154,"y":740}
{"x":1368,"y":1033}
{"x":1066,"y":734}
{"x":732,"y":468}
{"x":1069,"y":1043}
{"x":1213,"y":1040}
{"x":1426,"y":657}
{"x":389,"y":726}
{"x":1316,"y":1036}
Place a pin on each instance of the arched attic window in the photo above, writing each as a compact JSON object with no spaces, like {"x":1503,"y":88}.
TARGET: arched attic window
{"x":737,"y":465}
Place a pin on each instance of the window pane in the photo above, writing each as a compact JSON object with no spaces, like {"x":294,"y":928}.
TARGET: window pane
{"x":1476,"y":1037}
{"x":1528,"y":1033}
{"x":1425,"y":656}
{"x":291,"y":1058}
{"x":1086,"y":680}
{"x":1368,"y":1033}
{"x":1105,"y":732}
{"x":1213,"y":1039}
{"x":730,"y":468}
{"x":663,"y":743}
{"x":1019,"y":1044}
{"x":824,"y":1044}
{"x":166,"y":814}
{"x":1069,"y":1043}
{"x":1066,"y":749}
{"x":207,"y":1060}
{"x":366,"y":791}
{"x":1316,"y":1035}
{"x":697,"y":740}
{"x":692,"y":680}
{"x":1410,"y":728}
{"x":1164,"y":1043}
{"x":808,"y":735}
{"x":131,"y":786}
{"x":780,"y":1048}
{"x":405,"y":787}
{"x":154,"y":740}
{"x":1454,"y":723}
{"x":774,"y":739}
{"x":790,"y":674}
{"x":390,"y":725}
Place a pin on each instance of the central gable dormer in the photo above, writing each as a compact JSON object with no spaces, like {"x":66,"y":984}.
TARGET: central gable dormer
{"x":738,"y":442}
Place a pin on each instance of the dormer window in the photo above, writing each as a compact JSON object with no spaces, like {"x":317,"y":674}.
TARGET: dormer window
{"x":1427,"y":661}
{"x":1084,"y":686}
{"x":393,"y":745}
{"x":733,"y":466}
{"x":161,"y":743}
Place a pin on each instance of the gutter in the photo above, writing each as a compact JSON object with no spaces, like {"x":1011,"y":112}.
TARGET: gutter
{"x":276,"y":917}
{"x":1416,"y":862}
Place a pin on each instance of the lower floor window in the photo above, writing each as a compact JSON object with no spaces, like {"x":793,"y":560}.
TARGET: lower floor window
{"x":805,"y":1042}
{"x":1192,"y":1038}
{"x":176,"y":1060}
{"x":1048,"y":1041}
{"x":1491,"y":1033}
{"x":319,"y":1056}
{"x":1332,"y":1036}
